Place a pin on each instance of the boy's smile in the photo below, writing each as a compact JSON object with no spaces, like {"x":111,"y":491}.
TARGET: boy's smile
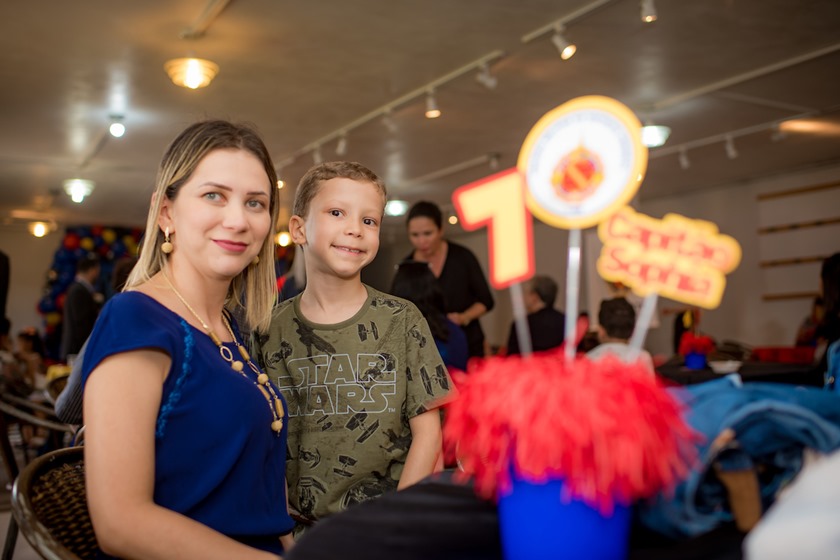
{"x":341,"y":230}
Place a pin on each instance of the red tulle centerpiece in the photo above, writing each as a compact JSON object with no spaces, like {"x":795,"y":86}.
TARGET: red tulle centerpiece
{"x":607,"y":428}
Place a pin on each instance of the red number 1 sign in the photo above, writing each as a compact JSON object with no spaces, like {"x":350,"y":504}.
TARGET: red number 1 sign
{"x":498,"y":201}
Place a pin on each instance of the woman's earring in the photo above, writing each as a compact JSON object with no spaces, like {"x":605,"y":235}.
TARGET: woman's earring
{"x":166,"y":247}
{"x":256,"y":261}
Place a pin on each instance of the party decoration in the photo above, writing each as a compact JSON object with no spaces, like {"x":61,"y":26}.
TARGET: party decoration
{"x":582,"y":161}
{"x":497,"y":202}
{"x":680,"y":258}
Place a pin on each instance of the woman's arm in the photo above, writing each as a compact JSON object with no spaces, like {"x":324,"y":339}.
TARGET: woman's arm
{"x":468,"y":315}
{"x":121,"y":402}
{"x":425,"y":448}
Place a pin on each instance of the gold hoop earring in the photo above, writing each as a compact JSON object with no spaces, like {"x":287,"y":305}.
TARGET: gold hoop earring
{"x":166,"y":247}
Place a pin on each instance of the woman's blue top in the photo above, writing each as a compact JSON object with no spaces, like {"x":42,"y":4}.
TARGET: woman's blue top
{"x":217,"y":460}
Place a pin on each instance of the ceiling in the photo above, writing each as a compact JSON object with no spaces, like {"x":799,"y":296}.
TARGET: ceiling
{"x":303,"y":72}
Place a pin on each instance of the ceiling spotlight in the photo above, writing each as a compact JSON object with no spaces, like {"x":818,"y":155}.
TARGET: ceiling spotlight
{"x":485,"y":78}
{"x":117,"y":128}
{"x":341,"y":145}
{"x":432,"y":110}
{"x":648,"y":11}
{"x":39,"y":229}
{"x":731,"y":151}
{"x":280,"y":183}
{"x":284,"y":239}
{"x":317,"y":158}
{"x":78,"y":189}
{"x":396,"y":207}
{"x":654,"y":135}
{"x":191,"y":73}
{"x":564,"y":47}
{"x":684,"y":161}
{"x":453,"y":219}
{"x":493,"y":161}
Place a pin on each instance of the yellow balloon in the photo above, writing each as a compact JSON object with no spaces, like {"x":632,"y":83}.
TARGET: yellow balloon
{"x":53,"y":318}
{"x":108,"y":236}
{"x":86,"y":244}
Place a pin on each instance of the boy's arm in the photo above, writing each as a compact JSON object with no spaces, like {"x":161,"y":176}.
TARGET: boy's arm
{"x":425,"y":449}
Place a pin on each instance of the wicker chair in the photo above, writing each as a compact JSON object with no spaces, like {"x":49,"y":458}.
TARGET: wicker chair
{"x":17,"y":411}
{"x":49,"y":504}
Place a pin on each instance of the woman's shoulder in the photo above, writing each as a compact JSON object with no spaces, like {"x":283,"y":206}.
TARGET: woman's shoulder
{"x":135,"y":305}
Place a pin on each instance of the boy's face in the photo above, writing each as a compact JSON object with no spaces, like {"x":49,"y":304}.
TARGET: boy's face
{"x":341,"y":229}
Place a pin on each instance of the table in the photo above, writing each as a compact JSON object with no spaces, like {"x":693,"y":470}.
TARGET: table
{"x":441,"y":519}
{"x":795,"y":374}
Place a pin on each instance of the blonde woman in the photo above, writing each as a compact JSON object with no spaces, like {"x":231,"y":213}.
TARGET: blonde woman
{"x":186,"y":437}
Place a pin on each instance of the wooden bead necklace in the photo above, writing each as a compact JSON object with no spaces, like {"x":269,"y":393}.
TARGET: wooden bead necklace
{"x":274,"y":401}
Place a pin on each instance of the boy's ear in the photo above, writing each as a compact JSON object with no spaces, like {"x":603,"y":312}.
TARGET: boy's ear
{"x":297,"y":229}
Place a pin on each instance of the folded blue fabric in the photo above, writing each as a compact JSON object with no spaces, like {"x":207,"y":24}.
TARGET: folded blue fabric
{"x":773,"y":424}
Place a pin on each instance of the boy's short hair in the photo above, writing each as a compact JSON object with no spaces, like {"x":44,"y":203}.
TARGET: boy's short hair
{"x":617,"y":317}
{"x":87,"y":262}
{"x":311,"y":182}
{"x":545,"y":288}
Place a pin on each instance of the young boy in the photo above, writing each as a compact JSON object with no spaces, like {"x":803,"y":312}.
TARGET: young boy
{"x":616,"y":320}
{"x":359,"y":368}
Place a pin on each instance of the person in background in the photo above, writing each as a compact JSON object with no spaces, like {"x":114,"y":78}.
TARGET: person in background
{"x":68,"y":405}
{"x":359,"y":367}
{"x":616,"y":319}
{"x":466,"y":294}
{"x":546,"y":324}
{"x":828,"y":331}
{"x":807,"y":333}
{"x":81,"y":306}
{"x":416,"y":283}
{"x":185,"y":443}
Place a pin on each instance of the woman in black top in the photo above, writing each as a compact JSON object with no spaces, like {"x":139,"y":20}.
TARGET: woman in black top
{"x":465,"y":291}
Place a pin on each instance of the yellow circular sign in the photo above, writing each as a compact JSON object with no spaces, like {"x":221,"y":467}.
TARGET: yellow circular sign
{"x":582,"y":161}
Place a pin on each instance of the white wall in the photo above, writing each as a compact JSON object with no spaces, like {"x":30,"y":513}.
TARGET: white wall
{"x":30,"y":259}
{"x":743,"y":315}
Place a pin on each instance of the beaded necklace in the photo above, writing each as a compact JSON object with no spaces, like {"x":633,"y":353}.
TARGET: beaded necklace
{"x":274,"y":402}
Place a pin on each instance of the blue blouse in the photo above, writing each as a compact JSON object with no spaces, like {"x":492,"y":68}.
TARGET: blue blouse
{"x":217,"y":460}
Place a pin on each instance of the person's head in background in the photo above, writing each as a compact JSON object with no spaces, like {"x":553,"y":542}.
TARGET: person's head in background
{"x":336,"y":217}
{"x":29,"y":342}
{"x":415,"y":282}
{"x":88,"y":268}
{"x":540,"y":292}
{"x":425,"y":228}
{"x":122,"y":269}
{"x":616,"y":320}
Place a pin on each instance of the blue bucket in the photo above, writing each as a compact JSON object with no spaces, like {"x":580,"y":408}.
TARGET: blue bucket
{"x":694,"y":360}
{"x":535,"y":524}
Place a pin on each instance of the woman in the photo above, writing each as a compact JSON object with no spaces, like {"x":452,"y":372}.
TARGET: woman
{"x":416,"y":283}
{"x":186,"y":439}
{"x":465,"y":292}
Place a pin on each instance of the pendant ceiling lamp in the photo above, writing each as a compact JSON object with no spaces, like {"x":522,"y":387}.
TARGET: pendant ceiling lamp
{"x":192,"y":73}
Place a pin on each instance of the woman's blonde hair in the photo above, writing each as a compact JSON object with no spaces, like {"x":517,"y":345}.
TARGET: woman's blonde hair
{"x":256,"y":285}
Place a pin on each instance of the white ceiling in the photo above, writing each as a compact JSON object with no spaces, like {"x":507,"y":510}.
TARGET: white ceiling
{"x":304,"y":70}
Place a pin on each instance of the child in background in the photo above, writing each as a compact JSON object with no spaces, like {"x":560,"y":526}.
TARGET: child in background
{"x":358,"y":367}
{"x":415,"y":282}
{"x":616,"y":319}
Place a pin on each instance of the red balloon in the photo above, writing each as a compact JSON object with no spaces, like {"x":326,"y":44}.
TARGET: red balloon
{"x":71,"y":241}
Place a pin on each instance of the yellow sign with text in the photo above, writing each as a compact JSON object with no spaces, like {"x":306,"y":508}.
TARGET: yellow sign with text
{"x":682,"y":259}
